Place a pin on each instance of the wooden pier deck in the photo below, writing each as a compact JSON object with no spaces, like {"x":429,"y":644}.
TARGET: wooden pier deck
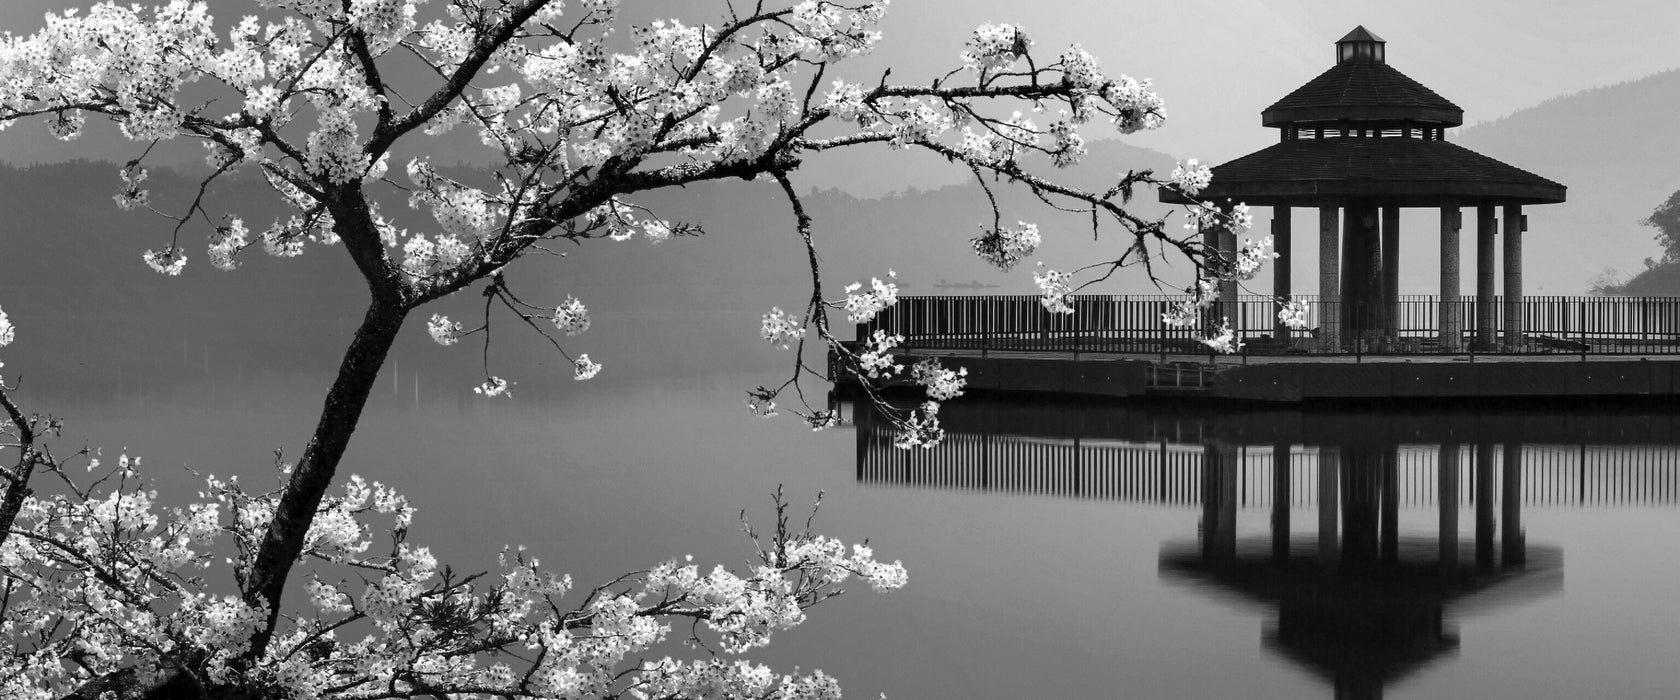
{"x":1116,"y":346}
{"x":1305,"y":378}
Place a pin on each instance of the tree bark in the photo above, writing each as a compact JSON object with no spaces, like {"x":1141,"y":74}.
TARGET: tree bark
{"x":314,"y":472}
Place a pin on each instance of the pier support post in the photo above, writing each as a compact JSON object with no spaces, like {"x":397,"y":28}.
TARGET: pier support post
{"x":1329,"y":279}
{"x":1513,"y":277}
{"x":1486,"y":225}
{"x":1210,"y":242}
{"x":1228,"y":310}
{"x":1391,"y":275}
{"x":1362,"y":284}
{"x":1451,"y":311}
{"x":1282,"y":244}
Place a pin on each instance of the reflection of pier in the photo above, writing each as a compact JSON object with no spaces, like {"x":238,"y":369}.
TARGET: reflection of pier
{"x":1355,"y":594}
{"x":1159,"y":457}
{"x":1359,"y":603}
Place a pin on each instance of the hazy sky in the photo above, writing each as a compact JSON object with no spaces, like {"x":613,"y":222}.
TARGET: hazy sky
{"x":1219,"y":62}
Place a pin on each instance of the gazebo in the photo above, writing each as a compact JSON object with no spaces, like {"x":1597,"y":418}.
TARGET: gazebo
{"x":1360,"y":142}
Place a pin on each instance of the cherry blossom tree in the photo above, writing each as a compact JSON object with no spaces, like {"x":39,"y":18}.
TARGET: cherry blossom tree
{"x":580,"y":116}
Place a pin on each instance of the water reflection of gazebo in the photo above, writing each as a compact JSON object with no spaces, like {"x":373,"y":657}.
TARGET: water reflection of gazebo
{"x":1362,"y":605}
{"x":1360,"y":142}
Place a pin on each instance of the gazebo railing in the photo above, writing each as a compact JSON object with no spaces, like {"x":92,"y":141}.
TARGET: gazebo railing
{"x":1132,"y":324}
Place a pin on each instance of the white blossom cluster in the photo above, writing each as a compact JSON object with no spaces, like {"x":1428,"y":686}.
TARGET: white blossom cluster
{"x":494,"y":387}
{"x":116,"y":581}
{"x":226,"y":242}
{"x":1006,"y":247}
{"x":1251,"y":257}
{"x":168,"y":261}
{"x":443,"y":331}
{"x":8,"y":332}
{"x":1191,"y":177}
{"x":994,"y":47}
{"x":1054,"y":287}
{"x":876,"y":360}
{"x":584,"y":369}
{"x":781,"y":329}
{"x":1294,"y":314}
{"x":862,"y":308}
{"x":941,"y":384}
{"x":1185,"y":311}
{"x":920,"y":428}
{"x":571,"y":317}
{"x":1224,"y":339}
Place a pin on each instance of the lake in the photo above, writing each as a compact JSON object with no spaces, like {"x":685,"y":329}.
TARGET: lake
{"x":1055,"y":548}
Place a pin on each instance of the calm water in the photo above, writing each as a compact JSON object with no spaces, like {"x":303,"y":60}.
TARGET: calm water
{"x":1054,"y":549}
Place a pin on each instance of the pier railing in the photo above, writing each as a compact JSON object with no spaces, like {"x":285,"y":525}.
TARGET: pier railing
{"x":1132,"y":324}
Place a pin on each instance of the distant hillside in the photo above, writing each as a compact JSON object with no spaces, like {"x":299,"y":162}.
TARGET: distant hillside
{"x":71,"y":275}
{"x":1617,"y":148}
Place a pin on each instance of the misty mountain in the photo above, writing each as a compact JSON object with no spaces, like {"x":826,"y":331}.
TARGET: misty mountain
{"x":72,"y":278}
{"x":1617,"y":148}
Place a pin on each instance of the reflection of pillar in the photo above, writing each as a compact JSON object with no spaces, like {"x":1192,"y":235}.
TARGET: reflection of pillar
{"x":1448,"y":503}
{"x":1361,"y":492}
{"x":1219,"y":502}
{"x":1391,"y":273}
{"x":1329,"y":464}
{"x":1391,"y":505}
{"x":1485,"y":230}
{"x":1484,"y":506}
{"x":1329,"y":280}
{"x":1513,"y":277}
{"x":1511,"y":544}
{"x":1280,"y":502}
{"x":1281,"y":243}
{"x":1452,"y":324}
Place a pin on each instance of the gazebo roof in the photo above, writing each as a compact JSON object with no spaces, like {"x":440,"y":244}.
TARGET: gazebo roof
{"x":1362,"y":91}
{"x":1364,"y":131}
{"x":1400,"y":171}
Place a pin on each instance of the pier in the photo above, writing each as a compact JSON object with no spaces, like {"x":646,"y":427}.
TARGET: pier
{"x":1117,"y":346}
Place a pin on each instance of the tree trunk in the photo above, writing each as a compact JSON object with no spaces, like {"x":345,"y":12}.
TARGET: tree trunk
{"x":314,"y":472}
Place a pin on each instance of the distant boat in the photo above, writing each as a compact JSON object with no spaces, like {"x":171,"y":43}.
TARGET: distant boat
{"x":975,"y":284}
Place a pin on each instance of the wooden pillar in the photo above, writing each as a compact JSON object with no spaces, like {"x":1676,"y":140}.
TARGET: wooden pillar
{"x":1210,"y":243}
{"x":1511,"y":537}
{"x":1450,"y":313}
{"x":1513,"y":277}
{"x":1362,"y":284}
{"x":1329,"y":279}
{"x":1447,"y":502}
{"x":1486,"y":225}
{"x":1281,"y":243}
{"x":1228,"y":310}
{"x":1391,"y":274}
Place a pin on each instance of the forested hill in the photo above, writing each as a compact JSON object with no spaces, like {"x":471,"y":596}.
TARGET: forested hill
{"x":1617,"y":148}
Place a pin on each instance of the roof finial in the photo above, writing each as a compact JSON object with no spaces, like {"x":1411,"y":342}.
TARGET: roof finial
{"x":1360,"y":45}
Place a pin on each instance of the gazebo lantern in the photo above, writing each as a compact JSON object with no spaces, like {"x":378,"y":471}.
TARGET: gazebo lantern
{"x":1360,"y":45}
{"x":1361,"y":142}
